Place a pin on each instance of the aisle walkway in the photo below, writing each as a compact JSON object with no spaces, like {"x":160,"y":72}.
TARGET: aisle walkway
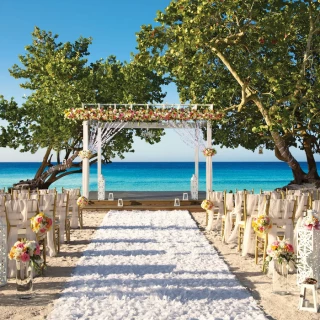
{"x":153,"y":265}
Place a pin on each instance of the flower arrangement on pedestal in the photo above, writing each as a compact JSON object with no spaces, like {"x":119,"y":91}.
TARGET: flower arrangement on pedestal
{"x":206,"y":204}
{"x":282,"y":254}
{"x":310,"y":221}
{"x":82,"y":201}
{"x":41,"y":224}
{"x":83,"y":154}
{"x":25,"y":251}
{"x":261,"y":224}
{"x":209,"y":152}
{"x":281,"y":251}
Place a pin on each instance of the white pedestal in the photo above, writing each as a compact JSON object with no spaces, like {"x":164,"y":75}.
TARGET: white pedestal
{"x":194,"y":188}
{"x":101,"y":188}
{"x":3,"y":252}
{"x":308,"y":253}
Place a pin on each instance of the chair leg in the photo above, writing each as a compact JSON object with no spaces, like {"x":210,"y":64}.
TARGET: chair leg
{"x":58,"y":240}
{"x":256,"y":250}
{"x":264,"y":253}
{"x":239,"y":238}
{"x":68,"y":230}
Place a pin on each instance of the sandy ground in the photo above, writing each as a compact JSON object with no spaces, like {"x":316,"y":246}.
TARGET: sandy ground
{"x":259,"y":284}
{"x":48,"y":287}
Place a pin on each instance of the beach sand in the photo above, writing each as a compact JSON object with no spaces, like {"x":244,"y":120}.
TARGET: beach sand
{"x":48,"y":287}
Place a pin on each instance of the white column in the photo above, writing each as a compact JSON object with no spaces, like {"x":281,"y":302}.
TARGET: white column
{"x":196,"y":167}
{"x":85,"y":162}
{"x":99,"y":151}
{"x":209,"y":161}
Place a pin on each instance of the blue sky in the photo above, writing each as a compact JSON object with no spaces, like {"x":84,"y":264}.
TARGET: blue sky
{"x":112,"y":25}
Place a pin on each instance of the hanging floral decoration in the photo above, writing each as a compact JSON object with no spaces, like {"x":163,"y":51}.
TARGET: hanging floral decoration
{"x":209,"y":152}
{"x":41,"y":224}
{"x":111,"y":114}
{"x":262,"y":224}
{"x":83,"y":154}
{"x":82,"y":201}
{"x":206,"y":204}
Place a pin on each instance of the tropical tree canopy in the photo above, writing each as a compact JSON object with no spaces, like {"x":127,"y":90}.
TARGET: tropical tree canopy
{"x":257,"y":61}
{"x":58,"y":76}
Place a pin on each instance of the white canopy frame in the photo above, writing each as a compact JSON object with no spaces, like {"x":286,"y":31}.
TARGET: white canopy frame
{"x":103,"y":134}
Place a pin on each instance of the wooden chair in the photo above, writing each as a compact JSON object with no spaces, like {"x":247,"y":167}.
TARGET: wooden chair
{"x":213,"y":219}
{"x":234,"y":217}
{"x":228,"y":207}
{"x":254,"y":206}
{"x":62,"y":210}
{"x":15,"y":220}
{"x":47,"y":204}
{"x":74,"y":210}
{"x":281,"y":213}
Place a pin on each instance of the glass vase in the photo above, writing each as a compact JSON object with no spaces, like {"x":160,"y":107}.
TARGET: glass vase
{"x":24,"y":279}
{"x":280,"y":278}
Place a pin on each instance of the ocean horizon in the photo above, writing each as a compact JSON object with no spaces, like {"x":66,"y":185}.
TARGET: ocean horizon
{"x":163,"y":176}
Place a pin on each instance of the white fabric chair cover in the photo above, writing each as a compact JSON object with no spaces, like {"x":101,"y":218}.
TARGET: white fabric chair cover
{"x":218,"y":206}
{"x":14,"y":210}
{"x":302,"y":203}
{"x":281,"y":213}
{"x":30,"y":209}
{"x":61,"y":213}
{"x":316,"y":206}
{"x":273,"y":194}
{"x":47,"y":203}
{"x":74,"y":194}
{"x":256,"y":205}
{"x":2,"y":207}
{"x":229,"y":235}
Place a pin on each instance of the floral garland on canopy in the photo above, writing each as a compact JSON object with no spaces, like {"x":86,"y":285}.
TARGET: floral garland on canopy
{"x":111,"y":114}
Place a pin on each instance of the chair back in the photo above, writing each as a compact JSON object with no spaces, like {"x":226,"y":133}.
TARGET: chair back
{"x":47,"y":204}
{"x":316,"y":206}
{"x":62,"y":205}
{"x":228,"y":202}
{"x":13,"y":212}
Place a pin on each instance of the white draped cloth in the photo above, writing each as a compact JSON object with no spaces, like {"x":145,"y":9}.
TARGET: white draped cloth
{"x":47,"y":205}
{"x":218,"y":208}
{"x":281,"y":213}
{"x":302,"y":203}
{"x":61,"y":213}
{"x":256,"y":205}
{"x":74,"y":194}
{"x":229,"y":234}
{"x":30,"y":209}
{"x":14,"y":210}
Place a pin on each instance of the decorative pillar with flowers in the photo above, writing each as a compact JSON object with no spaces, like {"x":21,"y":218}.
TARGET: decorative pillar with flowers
{"x":309,"y":249}
{"x":3,"y":252}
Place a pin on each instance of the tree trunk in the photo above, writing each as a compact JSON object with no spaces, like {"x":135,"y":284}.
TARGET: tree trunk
{"x":283,"y":151}
{"x":44,"y":163}
{"x":41,"y":181}
{"x":312,"y":166}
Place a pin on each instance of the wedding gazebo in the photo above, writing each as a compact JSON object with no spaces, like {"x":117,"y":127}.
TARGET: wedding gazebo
{"x":101,"y":122}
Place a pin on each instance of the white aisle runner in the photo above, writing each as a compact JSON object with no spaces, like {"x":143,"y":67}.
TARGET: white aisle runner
{"x":153,"y":265}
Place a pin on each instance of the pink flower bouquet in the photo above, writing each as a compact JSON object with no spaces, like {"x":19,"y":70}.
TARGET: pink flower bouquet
{"x":26,"y":251}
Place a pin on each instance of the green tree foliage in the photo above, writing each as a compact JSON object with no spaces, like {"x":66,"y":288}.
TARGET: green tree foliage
{"x":58,"y":76}
{"x":258,"y":61}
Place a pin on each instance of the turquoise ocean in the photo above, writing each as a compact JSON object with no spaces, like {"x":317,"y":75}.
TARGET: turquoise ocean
{"x":163,"y":176}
